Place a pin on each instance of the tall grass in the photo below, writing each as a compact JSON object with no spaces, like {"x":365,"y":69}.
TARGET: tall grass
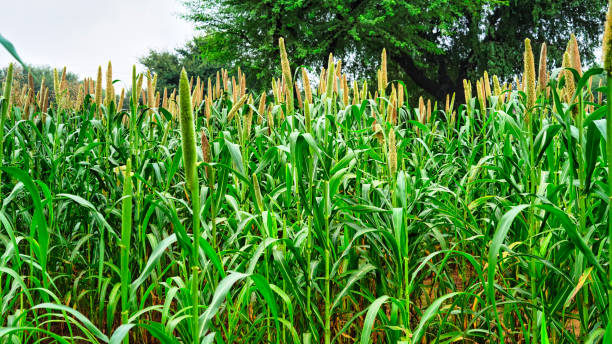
{"x":343,"y":217}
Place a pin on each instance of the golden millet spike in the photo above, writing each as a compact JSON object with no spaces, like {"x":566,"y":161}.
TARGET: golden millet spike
{"x":383,"y":71}
{"x":139,"y":90}
{"x":42,"y":87}
{"x":467,"y":91}
{"x":56,"y":83}
{"x":447,"y":103}
{"x":99,"y":87}
{"x":235,"y":91}
{"x":422,"y":110}
{"x":400,"y":96}
{"x":275,"y":91}
{"x":337,"y":80}
{"x":529,"y":75}
{"x":496,"y":86}
{"x":392,"y":153}
{"x":30,"y":80}
{"x":28,"y":101}
{"x":150,"y":92}
{"x":45,"y":103}
{"x":281,"y":89}
{"x":249,"y":119}
{"x":262,"y":103}
{"x":570,"y":87}
{"x":236,"y":107}
{"x":225,"y":80}
{"x":607,"y":41}
{"x":331,"y":78}
{"x":355,"y":93}
{"x":306,"y":82}
{"x":269,"y":119}
{"x":574,"y":52}
{"x":121,"y":97}
{"x":79,"y":101}
{"x":242,"y":85}
{"x":286,"y":69}
{"x":110,"y":91}
{"x":194,"y":96}
{"x":345,"y":91}
{"x":487,"y":84}
{"x":262,"y":107}
{"x":298,"y":93}
{"x":63,"y":80}
{"x":391,"y":109}
{"x":542,"y":69}
{"x":482,"y":99}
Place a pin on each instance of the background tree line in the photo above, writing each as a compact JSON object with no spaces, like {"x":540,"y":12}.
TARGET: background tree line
{"x":431,"y":45}
{"x":41,"y":74}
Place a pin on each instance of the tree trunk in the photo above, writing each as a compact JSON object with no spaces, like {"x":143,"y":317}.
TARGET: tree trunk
{"x":437,"y":88}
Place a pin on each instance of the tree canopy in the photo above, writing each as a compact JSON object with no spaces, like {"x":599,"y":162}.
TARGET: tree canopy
{"x":435,"y":44}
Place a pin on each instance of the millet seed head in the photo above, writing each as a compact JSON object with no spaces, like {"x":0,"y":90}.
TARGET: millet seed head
{"x":607,"y":40}
{"x":529,"y":74}
{"x":187,"y":131}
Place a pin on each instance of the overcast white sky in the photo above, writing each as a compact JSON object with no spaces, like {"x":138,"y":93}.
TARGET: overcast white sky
{"x":82,"y":34}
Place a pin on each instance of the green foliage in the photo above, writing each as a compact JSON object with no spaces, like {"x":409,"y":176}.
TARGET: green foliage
{"x":167,"y":65}
{"x":39,"y":72}
{"x":434,"y":44}
{"x":492,"y":227}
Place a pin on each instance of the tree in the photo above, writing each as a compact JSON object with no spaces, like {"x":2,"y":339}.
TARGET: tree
{"x":168,"y":64}
{"x":434,"y":43}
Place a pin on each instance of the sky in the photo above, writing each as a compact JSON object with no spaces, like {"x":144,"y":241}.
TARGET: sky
{"x":83,"y":34}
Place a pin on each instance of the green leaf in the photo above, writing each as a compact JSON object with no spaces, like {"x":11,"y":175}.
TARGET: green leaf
{"x":543,"y":332}
{"x":500,"y":235}
{"x":592,"y":153}
{"x":368,"y":323}
{"x":39,"y":224}
{"x":355,"y":276}
{"x":428,"y":314}
{"x":78,"y":315}
{"x":11,"y":49}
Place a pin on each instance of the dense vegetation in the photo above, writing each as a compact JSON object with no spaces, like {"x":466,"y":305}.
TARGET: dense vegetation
{"x":432,"y":45}
{"x":322,"y":213}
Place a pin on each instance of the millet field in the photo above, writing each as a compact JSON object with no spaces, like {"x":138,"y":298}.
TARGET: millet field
{"x":323,"y":210}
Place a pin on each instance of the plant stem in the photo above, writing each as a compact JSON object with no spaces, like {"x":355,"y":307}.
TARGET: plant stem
{"x":609,"y":154}
{"x":326,"y":206}
{"x":126,"y":233}
{"x":4,"y":111}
